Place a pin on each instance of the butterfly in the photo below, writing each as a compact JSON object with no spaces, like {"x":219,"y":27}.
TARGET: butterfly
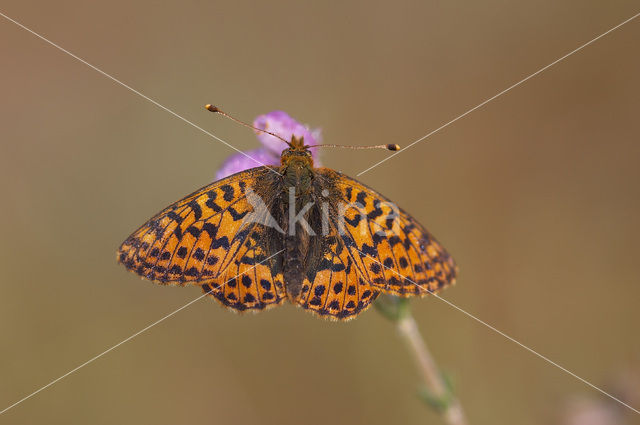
{"x":312,"y":236}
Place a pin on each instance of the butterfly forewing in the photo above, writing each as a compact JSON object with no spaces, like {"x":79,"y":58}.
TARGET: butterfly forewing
{"x":392,"y":250}
{"x":196,"y":239}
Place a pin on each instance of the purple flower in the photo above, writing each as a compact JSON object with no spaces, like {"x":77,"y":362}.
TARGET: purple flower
{"x":240,"y":162}
{"x":280,"y":123}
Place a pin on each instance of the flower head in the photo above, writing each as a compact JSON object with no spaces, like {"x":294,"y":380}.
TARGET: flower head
{"x":240,"y":162}
{"x":280,"y":123}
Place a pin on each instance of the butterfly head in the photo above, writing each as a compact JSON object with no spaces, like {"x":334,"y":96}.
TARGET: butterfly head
{"x":297,"y":153}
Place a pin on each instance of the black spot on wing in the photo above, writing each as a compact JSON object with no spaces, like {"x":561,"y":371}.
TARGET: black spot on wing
{"x":369,"y":250}
{"x":376,"y":212}
{"x":220,"y":242}
{"x":236,"y":215}
{"x":198,"y":254}
{"x":175,"y":217}
{"x":347,"y":193}
{"x":228,"y":192}
{"x":354,"y":221}
{"x":194,"y":231}
{"x":212,"y":204}
{"x":211,"y":229}
{"x":266,"y":285}
{"x":195,"y":207}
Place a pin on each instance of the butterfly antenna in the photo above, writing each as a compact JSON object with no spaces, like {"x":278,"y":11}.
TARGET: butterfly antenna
{"x":389,"y":147}
{"x":217,"y":110}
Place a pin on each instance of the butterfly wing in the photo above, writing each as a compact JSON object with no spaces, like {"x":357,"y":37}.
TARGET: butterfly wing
{"x":254,"y":279}
{"x":333,"y":287}
{"x":389,"y":249}
{"x":206,"y":239}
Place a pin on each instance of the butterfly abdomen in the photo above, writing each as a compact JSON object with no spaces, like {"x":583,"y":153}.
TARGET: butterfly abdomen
{"x":293,"y":267}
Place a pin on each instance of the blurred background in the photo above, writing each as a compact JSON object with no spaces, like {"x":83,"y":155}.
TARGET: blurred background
{"x":535,"y":194}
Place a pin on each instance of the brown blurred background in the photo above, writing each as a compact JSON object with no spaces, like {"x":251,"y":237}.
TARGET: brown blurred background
{"x":535,"y":194}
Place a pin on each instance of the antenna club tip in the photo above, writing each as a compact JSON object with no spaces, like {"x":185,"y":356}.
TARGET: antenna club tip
{"x":393,"y":147}
{"x":211,"y":108}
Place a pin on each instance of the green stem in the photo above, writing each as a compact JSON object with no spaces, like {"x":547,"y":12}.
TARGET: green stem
{"x":438,"y":393}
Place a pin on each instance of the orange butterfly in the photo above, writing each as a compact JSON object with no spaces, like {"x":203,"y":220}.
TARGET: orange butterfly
{"x":313,"y":236}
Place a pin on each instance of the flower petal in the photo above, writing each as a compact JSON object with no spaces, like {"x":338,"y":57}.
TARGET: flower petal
{"x":282,"y":124}
{"x":239,"y":162}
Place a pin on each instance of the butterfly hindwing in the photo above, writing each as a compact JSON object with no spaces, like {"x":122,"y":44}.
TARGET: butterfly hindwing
{"x":333,"y":287}
{"x":254,"y":279}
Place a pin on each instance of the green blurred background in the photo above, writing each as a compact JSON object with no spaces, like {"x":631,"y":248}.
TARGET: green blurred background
{"x":535,"y":194}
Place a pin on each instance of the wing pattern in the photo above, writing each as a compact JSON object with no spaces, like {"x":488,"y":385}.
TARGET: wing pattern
{"x":372,"y":247}
{"x":254,"y":279}
{"x":203,"y":239}
{"x":333,"y":287}
{"x":390,"y":249}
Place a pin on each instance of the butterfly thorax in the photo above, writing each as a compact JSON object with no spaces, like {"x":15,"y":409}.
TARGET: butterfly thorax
{"x":296,"y":167}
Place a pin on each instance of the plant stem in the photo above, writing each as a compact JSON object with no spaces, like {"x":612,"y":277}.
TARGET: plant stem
{"x":438,"y":393}
{"x":408,"y":329}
